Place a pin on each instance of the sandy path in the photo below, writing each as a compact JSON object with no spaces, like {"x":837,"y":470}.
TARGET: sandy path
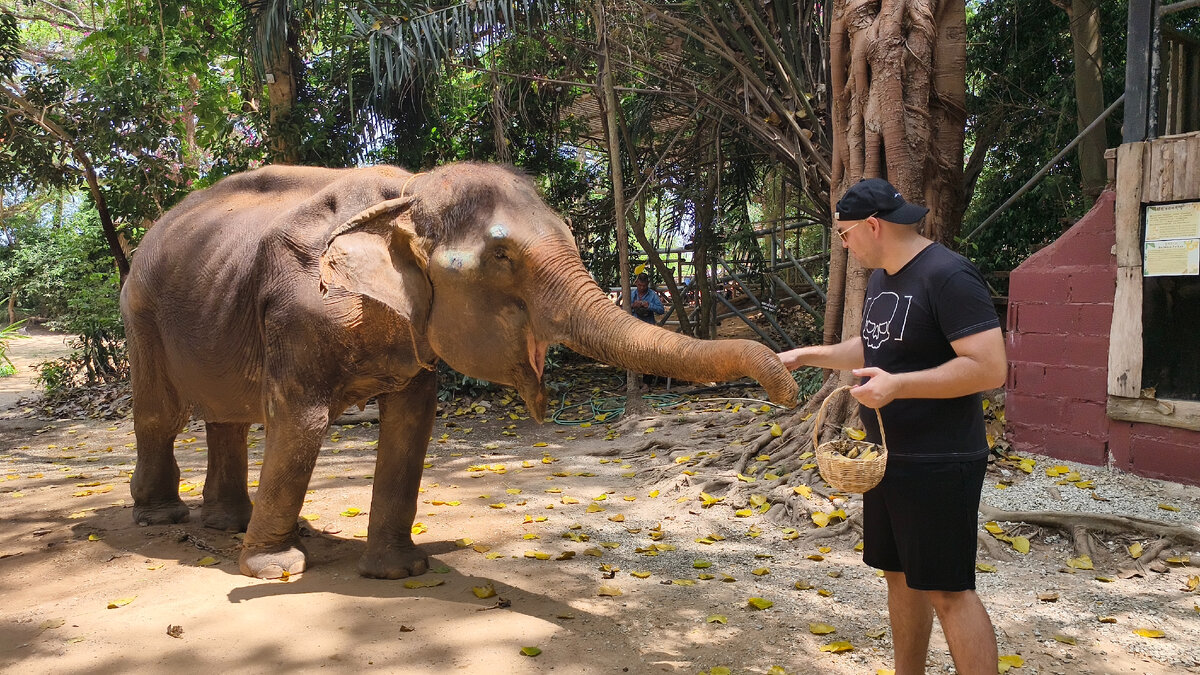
{"x":68,"y":548}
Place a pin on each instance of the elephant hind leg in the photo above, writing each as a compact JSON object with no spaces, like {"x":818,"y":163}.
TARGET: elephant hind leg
{"x":159,"y":414}
{"x":226,"y":501}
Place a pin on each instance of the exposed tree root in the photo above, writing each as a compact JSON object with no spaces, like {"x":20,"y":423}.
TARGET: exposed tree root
{"x":1066,"y":521}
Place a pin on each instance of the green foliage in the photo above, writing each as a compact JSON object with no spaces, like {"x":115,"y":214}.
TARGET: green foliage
{"x":7,"y":335}
{"x":64,"y":273}
{"x":10,"y":38}
{"x":1021,"y":100}
{"x":453,"y":384}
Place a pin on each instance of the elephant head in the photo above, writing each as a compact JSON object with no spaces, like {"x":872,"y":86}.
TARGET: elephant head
{"x":505,"y":282}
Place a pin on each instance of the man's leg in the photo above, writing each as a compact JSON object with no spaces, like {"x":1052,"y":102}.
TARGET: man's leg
{"x":912,"y":620}
{"x":968,"y":630}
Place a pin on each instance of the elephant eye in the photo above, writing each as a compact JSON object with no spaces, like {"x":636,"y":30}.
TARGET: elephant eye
{"x":500,"y":254}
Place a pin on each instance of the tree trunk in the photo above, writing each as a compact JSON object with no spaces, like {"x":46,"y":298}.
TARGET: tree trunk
{"x":278,"y":59}
{"x":1089,"y":93}
{"x":608,"y":104}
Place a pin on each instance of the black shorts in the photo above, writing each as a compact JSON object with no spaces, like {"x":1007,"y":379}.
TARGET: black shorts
{"x":923,"y":520}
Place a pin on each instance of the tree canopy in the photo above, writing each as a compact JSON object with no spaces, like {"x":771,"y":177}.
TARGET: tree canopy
{"x":723,"y":112}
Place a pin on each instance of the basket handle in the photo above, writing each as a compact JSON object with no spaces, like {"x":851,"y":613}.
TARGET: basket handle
{"x":821,"y":416}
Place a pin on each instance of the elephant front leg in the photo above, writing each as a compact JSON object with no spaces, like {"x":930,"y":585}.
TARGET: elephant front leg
{"x":272,"y":543}
{"x":405,"y":421}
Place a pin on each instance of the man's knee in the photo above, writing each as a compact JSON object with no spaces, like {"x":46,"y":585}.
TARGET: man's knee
{"x":948,"y":601}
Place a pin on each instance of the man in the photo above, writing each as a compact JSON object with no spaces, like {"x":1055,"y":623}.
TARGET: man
{"x":645,"y":301}
{"x":930,"y":343}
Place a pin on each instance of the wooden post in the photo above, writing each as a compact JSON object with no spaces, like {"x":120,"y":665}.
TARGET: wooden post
{"x":1125,"y":346}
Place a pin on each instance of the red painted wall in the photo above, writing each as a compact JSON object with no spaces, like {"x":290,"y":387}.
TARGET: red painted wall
{"x":1060,"y":307}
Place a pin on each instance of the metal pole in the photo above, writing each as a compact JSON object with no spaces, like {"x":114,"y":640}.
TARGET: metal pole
{"x":1046,"y":169}
{"x":1177,"y":7}
{"x":774,"y":345}
{"x":746,"y":289}
{"x":788,"y":289}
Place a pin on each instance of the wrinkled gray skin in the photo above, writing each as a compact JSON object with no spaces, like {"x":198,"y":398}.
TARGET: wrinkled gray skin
{"x":287,"y":294}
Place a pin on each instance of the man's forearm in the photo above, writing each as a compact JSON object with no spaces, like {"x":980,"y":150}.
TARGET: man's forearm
{"x":842,"y":356}
{"x":960,"y":376}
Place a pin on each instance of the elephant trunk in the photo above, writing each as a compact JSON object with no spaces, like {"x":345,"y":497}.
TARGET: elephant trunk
{"x":597,"y":328}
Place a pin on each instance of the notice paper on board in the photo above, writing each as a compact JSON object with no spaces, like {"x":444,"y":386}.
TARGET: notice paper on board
{"x":1173,"y":221}
{"x":1172,"y":245}
{"x":1174,"y":257}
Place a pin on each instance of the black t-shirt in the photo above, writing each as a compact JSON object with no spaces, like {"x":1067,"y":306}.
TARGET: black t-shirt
{"x":909,"y":320}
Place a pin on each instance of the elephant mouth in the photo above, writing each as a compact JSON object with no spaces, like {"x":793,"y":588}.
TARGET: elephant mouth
{"x":530,"y":385}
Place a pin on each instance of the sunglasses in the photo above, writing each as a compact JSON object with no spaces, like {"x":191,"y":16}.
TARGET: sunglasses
{"x":842,"y":233}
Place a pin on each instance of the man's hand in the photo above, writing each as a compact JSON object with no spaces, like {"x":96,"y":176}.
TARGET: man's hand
{"x":878,"y":391}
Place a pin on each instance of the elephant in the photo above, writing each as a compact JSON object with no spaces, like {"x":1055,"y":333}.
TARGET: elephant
{"x":286,"y":294}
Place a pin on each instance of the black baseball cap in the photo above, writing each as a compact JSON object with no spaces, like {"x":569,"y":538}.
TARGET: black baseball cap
{"x":877,"y":197}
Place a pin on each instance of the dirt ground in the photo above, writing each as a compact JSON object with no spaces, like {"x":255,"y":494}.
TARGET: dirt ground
{"x":591,"y":561}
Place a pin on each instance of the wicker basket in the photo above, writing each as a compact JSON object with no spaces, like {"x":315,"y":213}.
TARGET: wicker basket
{"x":843,"y":473}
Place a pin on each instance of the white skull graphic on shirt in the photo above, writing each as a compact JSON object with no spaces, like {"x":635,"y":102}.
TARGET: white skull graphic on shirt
{"x":879,"y":317}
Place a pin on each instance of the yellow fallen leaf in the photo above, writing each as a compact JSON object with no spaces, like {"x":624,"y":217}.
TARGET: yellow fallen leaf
{"x":743,"y":513}
{"x":1149,"y":632}
{"x":1083,"y":562}
{"x":653,"y":494}
{"x":856,"y":434}
{"x":761,"y":572}
{"x":760,"y":603}
{"x":1010,"y":661}
{"x":984,"y":567}
{"x":837,"y":647}
{"x":594,"y":508}
{"x":820,"y":518}
{"x":120,"y":602}
{"x":821,"y":629}
{"x":1135,"y":550}
{"x":417,"y":583}
{"x":1107,"y":619}
{"x":683,"y":582}
{"x":701,"y":564}
{"x":776,"y":431}
{"x":482,"y":592}
{"x":717,"y":618}
{"x":206,"y":561}
{"x":1065,"y":639}
{"x":993,"y":527}
{"x":498,"y":505}
{"x":351,"y":512}
{"x":609,"y":591}
{"x":803,"y":490}
{"x":539,"y":444}
{"x":419,"y":528}
{"x":1020,"y":544}
{"x":530,"y":651}
{"x":1168,"y":507}
{"x":537,"y":555}
{"x":640,"y":574}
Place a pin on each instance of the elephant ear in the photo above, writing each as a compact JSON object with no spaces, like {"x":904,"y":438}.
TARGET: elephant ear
{"x":376,"y":259}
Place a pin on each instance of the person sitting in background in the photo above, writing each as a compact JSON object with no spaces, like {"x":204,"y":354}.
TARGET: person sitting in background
{"x":644,"y":300}
{"x":646,"y":305}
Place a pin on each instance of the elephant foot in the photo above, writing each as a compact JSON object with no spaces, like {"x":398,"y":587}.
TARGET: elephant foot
{"x":264,"y":563}
{"x":225,"y":518}
{"x":160,"y":514}
{"x":393,"y":562}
